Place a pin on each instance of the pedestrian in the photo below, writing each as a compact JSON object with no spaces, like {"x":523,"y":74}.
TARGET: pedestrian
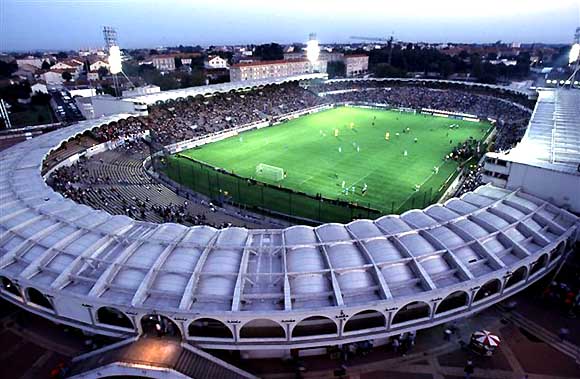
{"x":468,"y":369}
{"x":396,"y":345}
{"x":563,"y":333}
{"x":447,"y":334}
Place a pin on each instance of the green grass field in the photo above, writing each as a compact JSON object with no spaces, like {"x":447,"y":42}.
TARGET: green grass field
{"x":317,"y":162}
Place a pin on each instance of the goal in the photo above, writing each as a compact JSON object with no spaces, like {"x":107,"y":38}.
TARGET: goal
{"x":268,"y":172}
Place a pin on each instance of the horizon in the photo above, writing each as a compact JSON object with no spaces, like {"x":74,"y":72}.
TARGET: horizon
{"x":30,"y":25}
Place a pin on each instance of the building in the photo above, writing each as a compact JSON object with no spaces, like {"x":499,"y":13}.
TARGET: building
{"x":96,"y":65}
{"x":70,"y":64}
{"x":163,"y":62}
{"x":140,"y":91}
{"x":39,"y":87}
{"x":356,"y":64}
{"x":92,"y":76}
{"x":53,"y":77}
{"x":547,"y":160}
{"x":32,"y":61}
{"x":269,"y":69}
{"x":216,"y":61}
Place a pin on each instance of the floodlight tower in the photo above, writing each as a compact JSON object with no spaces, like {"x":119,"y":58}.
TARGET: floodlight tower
{"x":115,"y":58}
{"x":313,"y":51}
{"x":574,"y":58}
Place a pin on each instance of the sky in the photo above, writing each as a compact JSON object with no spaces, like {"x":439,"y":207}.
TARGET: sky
{"x":73,"y":24}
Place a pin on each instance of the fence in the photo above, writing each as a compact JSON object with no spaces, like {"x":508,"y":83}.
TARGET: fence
{"x":222,"y":186}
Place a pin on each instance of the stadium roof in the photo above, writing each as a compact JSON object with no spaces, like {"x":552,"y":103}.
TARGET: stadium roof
{"x":552,"y":139}
{"x":214,"y":88}
{"x":56,"y":245}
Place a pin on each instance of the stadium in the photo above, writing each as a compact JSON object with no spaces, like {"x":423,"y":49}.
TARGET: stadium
{"x":105,"y":224}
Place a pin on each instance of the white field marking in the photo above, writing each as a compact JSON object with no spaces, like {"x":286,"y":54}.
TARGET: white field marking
{"x":307,"y":179}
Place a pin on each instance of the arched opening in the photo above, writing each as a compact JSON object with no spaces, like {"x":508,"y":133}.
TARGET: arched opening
{"x":365,"y":320}
{"x":10,"y":287}
{"x":315,"y":325}
{"x":113,"y":316}
{"x":412,"y":311}
{"x":160,"y":326}
{"x":208,"y":327}
{"x":36,"y":297}
{"x":539,"y":264}
{"x":558,"y":251}
{"x":262,"y":328}
{"x":454,"y":300}
{"x":488,"y":289}
{"x":517,"y":276}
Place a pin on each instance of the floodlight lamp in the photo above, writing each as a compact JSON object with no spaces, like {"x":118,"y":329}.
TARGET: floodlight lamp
{"x":312,"y":51}
{"x":574,"y":53}
{"x":115,"y":65}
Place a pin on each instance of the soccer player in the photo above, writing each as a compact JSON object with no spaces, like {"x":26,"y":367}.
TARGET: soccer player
{"x":405,"y":153}
{"x":336,"y":132}
{"x":364,"y":189}
{"x":343,"y":184}
{"x":340,"y":149}
{"x":416,"y":139}
{"x":388,"y":136}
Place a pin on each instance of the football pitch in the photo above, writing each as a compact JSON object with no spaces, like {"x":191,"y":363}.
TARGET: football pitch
{"x":338,"y":152}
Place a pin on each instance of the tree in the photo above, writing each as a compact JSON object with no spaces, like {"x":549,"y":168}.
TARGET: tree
{"x":6,"y":69}
{"x":45,"y":65}
{"x":336,"y":69}
{"x":66,"y":76}
{"x":269,"y":51}
{"x":40,"y":98}
{"x":102,"y":71}
{"x":384,"y":70}
{"x":61,"y":55}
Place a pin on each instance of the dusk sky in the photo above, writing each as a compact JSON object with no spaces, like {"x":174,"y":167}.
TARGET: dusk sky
{"x":73,"y":24}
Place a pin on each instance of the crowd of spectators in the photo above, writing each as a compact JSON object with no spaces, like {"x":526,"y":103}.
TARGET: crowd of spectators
{"x":197,"y":116}
{"x":511,"y":117}
{"x":115,"y":181}
{"x":191,"y":117}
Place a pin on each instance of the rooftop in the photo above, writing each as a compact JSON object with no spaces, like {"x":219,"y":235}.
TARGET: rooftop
{"x":552,"y":139}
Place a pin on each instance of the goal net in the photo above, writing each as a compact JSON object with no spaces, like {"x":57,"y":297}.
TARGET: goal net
{"x":266,"y":171}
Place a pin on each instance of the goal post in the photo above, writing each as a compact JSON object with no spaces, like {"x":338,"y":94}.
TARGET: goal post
{"x":269,"y":172}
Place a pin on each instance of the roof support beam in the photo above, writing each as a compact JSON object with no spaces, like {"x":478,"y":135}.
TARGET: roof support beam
{"x":28,"y":243}
{"x":37,"y":263}
{"x":468,"y":275}
{"x":187,"y":296}
{"x":387,"y":294}
{"x":335,"y":286}
{"x":417,"y":268}
{"x":287,"y":294}
{"x":242,"y":271}
{"x":111,"y":271}
{"x":149,"y":279}
{"x":109,"y":274}
{"x":76,"y":266}
{"x":491,"y":257}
